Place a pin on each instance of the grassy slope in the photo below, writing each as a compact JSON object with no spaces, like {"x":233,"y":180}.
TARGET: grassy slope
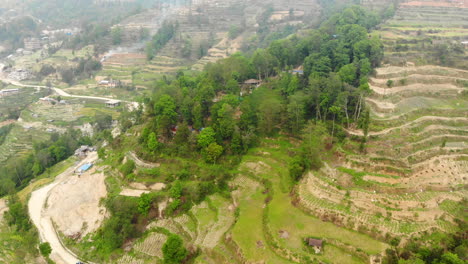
{"x":283,"y":216}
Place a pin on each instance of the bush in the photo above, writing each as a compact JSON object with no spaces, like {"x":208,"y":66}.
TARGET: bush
{"x":45,"y":249}
{"x":128,"y":167}
{"x":174,"y":251}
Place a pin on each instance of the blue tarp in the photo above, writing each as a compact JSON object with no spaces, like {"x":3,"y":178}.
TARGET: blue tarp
{"x":85,"y":167}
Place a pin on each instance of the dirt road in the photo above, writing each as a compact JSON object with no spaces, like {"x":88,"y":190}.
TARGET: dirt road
{"x":63,"y":93}
{"x":47,"y":232}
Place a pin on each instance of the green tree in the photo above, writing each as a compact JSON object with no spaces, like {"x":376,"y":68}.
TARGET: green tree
{"x":225,"y":121}
{"x":144,"y":203}
{"x":152,"y":142}
{"x":206,"y":137}
{"x":212,"y":152}
{"x":45,"y":249}
{"x":173,"y":250}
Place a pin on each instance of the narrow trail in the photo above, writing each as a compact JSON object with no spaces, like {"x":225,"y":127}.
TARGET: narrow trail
{"x":47,"y":233}
{"x":141,"y":163}
{"x":409,"y":124}
{"x":415,"y":88}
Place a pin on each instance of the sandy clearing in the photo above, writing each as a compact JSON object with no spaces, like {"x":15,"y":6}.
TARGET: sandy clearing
{"x":133,"y":192}
{"x":157,"y":186}
{"x":73,"y":205}
{"x":43,"y":222}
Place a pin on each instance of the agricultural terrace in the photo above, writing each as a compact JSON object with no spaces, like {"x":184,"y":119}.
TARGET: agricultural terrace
{"x":409,"y":178}
{"x":426,"y":32}
{"x":259,"y":203}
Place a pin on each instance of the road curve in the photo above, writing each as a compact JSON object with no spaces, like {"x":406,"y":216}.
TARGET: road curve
{"x":62,"y":92}
{"x":43,"y":222}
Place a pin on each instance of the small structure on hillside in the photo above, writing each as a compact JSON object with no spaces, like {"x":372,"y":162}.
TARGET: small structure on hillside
{"x":7,"y":92}
{"x":83,"y":151}
{"x":316,"y":244}
{"x":113,"y":103}
{"x":107,"y":83}
{"x":84,"y":168}
{"x":253,"y":82}
{"x":48,"y":100}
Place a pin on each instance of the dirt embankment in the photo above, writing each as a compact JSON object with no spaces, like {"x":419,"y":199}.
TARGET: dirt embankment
{"x":39,"y":208}
{"x":74,"y":204}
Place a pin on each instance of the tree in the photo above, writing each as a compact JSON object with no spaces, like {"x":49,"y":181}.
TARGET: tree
{"x":144,"y":203}
{"x":450,"y":258}
{"x":348,"y":74}
{"x":173,"y":250}
{"x":206,"y":137}
{"x":45,"y":249}
{"x":212,"y":152}
{"x":296,"y":113}
{"x":313,"y":135}
{"x":225,"y":120}
{"x":236,"y":142}
{"x":335,"y":111}
{"x":152,"y":142}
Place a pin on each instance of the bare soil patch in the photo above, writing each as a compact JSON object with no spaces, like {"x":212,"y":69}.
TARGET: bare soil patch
{"x":74,"y":205}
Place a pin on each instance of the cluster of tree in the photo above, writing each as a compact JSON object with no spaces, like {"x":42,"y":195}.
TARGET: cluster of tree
{"x":206,"y":122}
{"x":18,"y":172}
{"x":205,"y":114}
{"x":160,"y":39}
{"x":85,"y":68}
{"x":21,"y":227}
{"x":14,"y":32}
{"x":436,"y":248}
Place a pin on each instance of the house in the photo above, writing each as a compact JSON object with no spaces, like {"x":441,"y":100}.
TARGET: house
{"x":83,"y":151}
{"x":104,"y":82}
{"x":253,"y":82}
{"x":113,"y":103}
{"x":316,"y":244}
{"x":7,"y":92}
{"x":111,"y":84}
{"x":48,"y":100}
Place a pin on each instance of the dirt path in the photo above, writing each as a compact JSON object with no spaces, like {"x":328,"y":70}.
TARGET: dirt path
{"x":47,"y":233}
{"x":141,"y":163}
{"x":133,"y":192}
{"x":421,"y":88}
{"x":409,"y":124}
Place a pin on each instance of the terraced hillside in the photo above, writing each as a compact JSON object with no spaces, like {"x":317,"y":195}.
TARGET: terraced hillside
{"x":436,"y":27}
{"x":251,"y":227}
{"x":412,"y":174}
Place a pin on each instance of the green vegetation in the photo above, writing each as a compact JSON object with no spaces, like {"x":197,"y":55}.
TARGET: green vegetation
{"x":174,"y":251}
{"x":18,"y":172}
{"x":19,"y":238}
{"x":164,"y":34}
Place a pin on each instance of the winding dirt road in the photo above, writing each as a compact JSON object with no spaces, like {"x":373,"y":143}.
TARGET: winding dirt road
{"x":47,"y":233}
{"x":63,"y":93}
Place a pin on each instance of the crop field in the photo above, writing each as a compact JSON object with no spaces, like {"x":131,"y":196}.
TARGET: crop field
{"x":17,"y":102}
{"x":19,"y":142}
